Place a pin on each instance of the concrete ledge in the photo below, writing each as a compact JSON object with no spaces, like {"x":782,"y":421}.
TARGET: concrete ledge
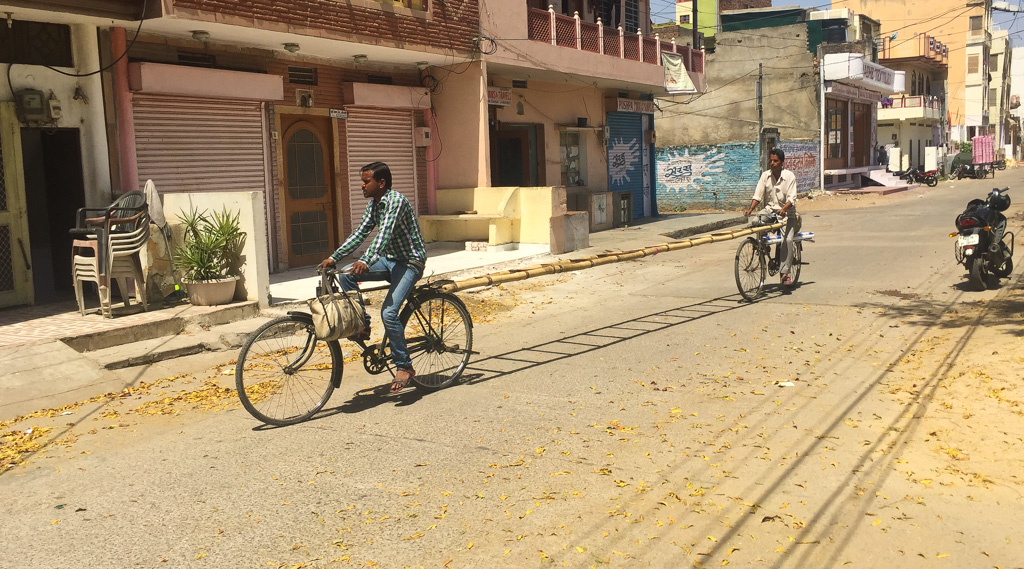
{"x":707,"y":227}
{"x":159,"y":328}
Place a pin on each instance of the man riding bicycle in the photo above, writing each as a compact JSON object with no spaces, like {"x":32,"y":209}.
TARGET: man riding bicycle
{"x":776,"y":189}
{"x":397,"y":255}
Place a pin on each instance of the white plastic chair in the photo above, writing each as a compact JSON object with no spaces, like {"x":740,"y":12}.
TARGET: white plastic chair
{"x":123,"y":260}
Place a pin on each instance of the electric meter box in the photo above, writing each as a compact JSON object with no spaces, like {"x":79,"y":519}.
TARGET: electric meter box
{"x":32,"y":105}
{"x":421,"y":136}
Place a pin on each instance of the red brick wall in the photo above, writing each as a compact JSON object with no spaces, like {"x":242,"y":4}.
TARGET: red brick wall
{"x":452,"y":23}
{"x":743,"y":4}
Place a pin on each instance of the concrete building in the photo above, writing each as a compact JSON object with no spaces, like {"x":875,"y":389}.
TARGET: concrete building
{"x":459,"y":97}
{"x":1016,"y":94}
{"x":965,"y":32}
{"x":711,"y":149}
{"x":913,"y":121}
{"x":1000,"y":86}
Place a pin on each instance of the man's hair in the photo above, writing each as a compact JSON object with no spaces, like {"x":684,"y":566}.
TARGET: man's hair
{"x":380,"y":172}
{"x":779,"y":153}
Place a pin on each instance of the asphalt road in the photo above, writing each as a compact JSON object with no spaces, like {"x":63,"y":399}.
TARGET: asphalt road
{"x":625,"y":416}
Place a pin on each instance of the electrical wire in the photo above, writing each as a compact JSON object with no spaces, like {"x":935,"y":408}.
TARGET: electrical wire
{"x":112,"y":63}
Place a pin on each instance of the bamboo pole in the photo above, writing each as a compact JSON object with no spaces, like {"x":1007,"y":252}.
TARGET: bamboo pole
{"x":598,"y":260}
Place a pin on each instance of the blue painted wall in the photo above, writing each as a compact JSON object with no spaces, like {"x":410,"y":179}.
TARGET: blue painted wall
{"x":691,"y":176}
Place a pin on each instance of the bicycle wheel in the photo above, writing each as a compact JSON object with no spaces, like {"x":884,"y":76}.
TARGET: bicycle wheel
{"x":439,"y":334}
{"x":284,"y":374}
{"x":750,"y":269}
{"x":794,"y":269}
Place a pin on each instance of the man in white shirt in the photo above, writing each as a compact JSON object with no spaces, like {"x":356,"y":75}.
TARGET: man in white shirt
{"x":777,"y":191}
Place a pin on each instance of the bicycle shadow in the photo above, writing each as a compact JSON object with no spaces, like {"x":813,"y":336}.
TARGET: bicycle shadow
{"x":524,"y":359}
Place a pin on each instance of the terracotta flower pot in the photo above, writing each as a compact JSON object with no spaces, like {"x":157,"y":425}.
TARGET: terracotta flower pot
{"x":211,"y":293}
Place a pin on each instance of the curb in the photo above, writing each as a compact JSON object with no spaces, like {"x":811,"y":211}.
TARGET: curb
{"x":706,"y":228}
{"x":94,"y":341}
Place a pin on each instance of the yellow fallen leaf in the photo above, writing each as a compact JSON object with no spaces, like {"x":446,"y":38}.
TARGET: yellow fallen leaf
{"x":580,"y":549}
{"x":712,"y":538}
{"x":413,"y":536}
{"x":876,"y":522}
{"x":200,"y":556}
{"x":470,"y":546}
{"x":507,"y":551}
{"x":942,"y":555}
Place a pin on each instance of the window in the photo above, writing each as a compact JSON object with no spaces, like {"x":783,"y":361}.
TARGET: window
{"x":972,"y":63}
{"x":993,"y":98}
{"x":975,"y":28}
{"x":302,"y":75}
{"x":684,"y":19}
{"x":36,"y":43}
{"x":411,"y":4}
{"x":574,"y":157}
{"x":632,"y":16}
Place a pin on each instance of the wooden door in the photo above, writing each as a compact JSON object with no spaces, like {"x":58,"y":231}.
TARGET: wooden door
{"x":510,"y":162}
{"x":861,"y":135}
{"x":15,"y":250}
{"x":309,"y":218}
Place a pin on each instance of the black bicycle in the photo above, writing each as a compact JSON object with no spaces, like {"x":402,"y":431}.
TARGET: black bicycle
{"x":755,"y":258}
{"x":285,"y":375}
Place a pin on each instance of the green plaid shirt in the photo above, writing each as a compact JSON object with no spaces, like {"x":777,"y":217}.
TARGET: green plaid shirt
{"x":398,"y":236}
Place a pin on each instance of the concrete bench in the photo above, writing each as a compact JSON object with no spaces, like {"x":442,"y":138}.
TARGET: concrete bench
{"x":495,"y":229}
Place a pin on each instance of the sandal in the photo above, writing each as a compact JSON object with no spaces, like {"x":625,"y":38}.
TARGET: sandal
{"x":402,"y":378}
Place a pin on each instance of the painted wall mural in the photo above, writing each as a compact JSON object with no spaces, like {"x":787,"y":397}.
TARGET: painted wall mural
{"x":802,"y":159}
{"x":713,"y":175}
{"x":724,"y":175}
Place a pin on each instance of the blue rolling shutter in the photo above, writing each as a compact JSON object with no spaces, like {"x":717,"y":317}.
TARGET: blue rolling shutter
{"x":625,"y":157}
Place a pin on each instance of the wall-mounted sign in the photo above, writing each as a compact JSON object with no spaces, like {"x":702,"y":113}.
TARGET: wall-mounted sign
{"x":339,"y":114}
{"x":501,"y":96}
{"x":635,"y":106}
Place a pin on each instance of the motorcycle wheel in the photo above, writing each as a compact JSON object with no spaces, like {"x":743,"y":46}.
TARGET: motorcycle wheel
{"x":932,"y":181}
{"x":977,"y":275}
{"x":1001,"y":164}
{"x":980,"y":174}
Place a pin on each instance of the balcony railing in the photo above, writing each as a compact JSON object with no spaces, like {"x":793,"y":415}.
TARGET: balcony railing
{"x":916,"y":102}
{"x":573,"y":33}
{"x":923,"y":46}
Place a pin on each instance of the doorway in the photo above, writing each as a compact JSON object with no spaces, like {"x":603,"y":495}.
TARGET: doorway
{"x":861,"y":135}
{"x":54,"y":190}
{"x":517,"y":156}
{"x":308,"y":217}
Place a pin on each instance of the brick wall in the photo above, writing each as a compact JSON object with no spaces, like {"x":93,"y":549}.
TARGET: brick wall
{"x":451,"y":23}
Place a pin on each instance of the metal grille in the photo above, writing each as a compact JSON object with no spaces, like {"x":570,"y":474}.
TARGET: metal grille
{"x":611,"y":42}
{"x":309,"y":233}
{"x":632,"y":45}
{"x":589,"y":37}
{"x":384,"y":135}
{"x":188,"y":144}
{"x":539,"y":24}
{"x":651,"y":50}
{"x":36,"y":43}
{"x":302,"y":75}
{"x":565,"y":31}
{"x":6,"y":262}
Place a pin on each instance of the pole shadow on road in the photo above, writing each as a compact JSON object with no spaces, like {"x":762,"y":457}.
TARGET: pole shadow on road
{"x":530,"y":357}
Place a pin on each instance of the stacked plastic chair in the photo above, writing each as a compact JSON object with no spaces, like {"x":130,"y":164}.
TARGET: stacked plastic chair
{"x":109,"y":247}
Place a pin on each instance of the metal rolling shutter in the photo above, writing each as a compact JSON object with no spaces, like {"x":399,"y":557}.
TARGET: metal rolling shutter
{"x":189,"y":145}
{"x":625,"y":157}
{"x":380,"y":135}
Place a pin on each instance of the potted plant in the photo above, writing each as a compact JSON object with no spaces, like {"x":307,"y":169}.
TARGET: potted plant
{"x":209,"y":255}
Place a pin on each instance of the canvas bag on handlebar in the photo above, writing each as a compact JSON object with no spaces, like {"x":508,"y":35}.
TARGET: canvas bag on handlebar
{"x":336,"y":314}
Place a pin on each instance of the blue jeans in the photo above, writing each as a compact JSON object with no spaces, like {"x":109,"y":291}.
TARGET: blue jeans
{"x":402,"y":276}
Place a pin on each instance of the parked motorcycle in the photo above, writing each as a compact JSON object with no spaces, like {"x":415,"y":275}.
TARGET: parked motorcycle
{"x":930,"y":177}
{"x":981,"y":244}
{"x":998,"y":165}
{"x":964,"y":170}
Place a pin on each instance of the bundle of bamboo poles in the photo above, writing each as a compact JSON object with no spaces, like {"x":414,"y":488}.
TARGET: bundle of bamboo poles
{"x":598,"y":260}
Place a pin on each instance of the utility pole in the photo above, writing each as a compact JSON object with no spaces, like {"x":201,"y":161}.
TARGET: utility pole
{"x":760,"y":115}
{"x":693,"y":24}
